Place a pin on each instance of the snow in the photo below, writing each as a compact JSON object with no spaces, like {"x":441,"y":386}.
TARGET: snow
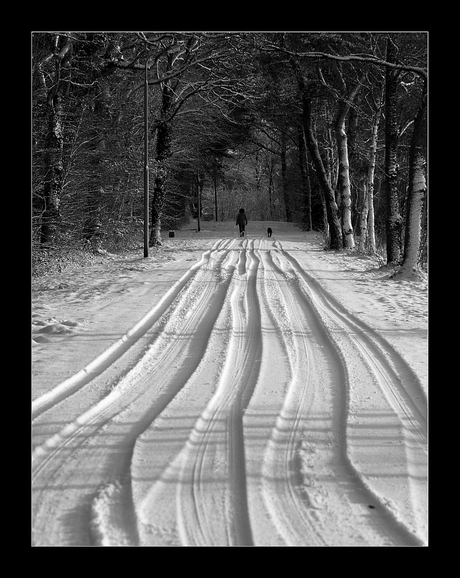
{"x":230,"y":391}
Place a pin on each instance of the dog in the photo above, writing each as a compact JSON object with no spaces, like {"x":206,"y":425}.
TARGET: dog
{"x":269,"y":231}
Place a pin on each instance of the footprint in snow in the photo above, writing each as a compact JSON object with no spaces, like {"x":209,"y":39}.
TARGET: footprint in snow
{"x":40,"y":339}
{"x":55,"y":328}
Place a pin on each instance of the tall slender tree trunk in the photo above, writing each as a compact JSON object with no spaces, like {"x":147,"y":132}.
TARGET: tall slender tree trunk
{"x":343,"y":183}
{"x":371,"y":185}
{"x":368,"y":225}
{"x":163,"y":152}
{"x":305,"y":176}
{"x":215,"y":189}
{"x":335,"y":233}
{"x":96,"y":154}
{"x":371,"y":219}
{"x":159,"y":189}
{"x":61,"y":52}
{"x":270,"y":189}
{"x":417,"y":190}
{"x":393,"y":215}
{"x":287,"y":200}
{"x":364,"y":218}
{"x":53,"y":181}
{"x":199,"y":192}
{"x":335,"y":230}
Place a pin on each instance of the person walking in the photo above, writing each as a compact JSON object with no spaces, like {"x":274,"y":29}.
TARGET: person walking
{"x":242,"y":221}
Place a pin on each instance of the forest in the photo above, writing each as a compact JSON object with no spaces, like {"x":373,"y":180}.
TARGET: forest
{"x":323,"y":129}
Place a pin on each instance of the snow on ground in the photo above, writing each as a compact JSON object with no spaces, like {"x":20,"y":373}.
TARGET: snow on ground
{"x":229,"y":391}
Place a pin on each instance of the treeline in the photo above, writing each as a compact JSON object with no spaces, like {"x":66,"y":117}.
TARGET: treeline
{"x":324,"y":129}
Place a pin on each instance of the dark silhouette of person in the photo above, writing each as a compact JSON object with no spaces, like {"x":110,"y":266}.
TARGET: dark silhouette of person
{"x":242,"y":221}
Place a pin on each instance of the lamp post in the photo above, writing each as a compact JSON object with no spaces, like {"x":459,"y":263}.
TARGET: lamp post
{"x":146,"y":163}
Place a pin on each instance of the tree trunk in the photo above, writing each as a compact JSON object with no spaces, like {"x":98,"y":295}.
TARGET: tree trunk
{"x":343,"y":183}
{"x":53,"y":181}
{"x":417,"y":189}
{"x":163,"y":152}
{"x":270,"y":189}
{"x":364,"y":219}
{"x":371,"y":218}
{"x":61,"y":51}
{"x":215,"y":190}
{"x":335,"y":231}
{"x":158,"y":200}
{"x":357,"y":202}
{"x":287,"y":200}
{"x":423,"y":256}
{"x":97,"y":153}
{"x":368,"y":232}
{"x":199,"y":191}
{"x":393,"y":216}
{"x":305,"y":175}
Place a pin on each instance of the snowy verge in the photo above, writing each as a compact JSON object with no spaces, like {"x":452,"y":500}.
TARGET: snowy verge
{"x":108,"y":357}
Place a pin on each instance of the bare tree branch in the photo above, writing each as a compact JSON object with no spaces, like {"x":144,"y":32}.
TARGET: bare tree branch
{"x":352,"y":57}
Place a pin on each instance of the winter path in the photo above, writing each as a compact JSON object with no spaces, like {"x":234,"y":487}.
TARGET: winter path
{"x":266,"y":395}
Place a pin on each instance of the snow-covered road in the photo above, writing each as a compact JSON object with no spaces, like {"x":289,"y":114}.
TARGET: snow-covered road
{"x":248,"y":407}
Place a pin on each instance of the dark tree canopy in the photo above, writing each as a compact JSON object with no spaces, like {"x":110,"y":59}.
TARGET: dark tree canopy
{"x":283,"y":120}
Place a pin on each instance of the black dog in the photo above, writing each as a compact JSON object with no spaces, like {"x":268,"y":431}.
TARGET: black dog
{"x":269,"y":231}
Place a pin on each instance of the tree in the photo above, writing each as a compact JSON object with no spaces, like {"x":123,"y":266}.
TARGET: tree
{"x":332,"y":211}
{"x":68,"y":73}
{"x":344,"y":97}
{"x":363,"y":50}
{"x":181,"y":75}
{"x":51,"y":68}
{"x":417,"y":188}
{"x":305,"y":175}
{"x":226,"y":107}
{"x":163,"y":152}
{"x":306,"y":97}
{"x":393,"y":217}
{"x":367,"y":236}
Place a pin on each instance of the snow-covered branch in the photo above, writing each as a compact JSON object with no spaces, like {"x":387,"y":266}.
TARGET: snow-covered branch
{"x":351,"y":58}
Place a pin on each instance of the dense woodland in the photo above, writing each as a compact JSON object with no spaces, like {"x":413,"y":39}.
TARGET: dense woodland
{"x":327,"y":130}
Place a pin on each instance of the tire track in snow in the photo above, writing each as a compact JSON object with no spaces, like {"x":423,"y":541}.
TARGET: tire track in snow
{"x":222,"y":435}
{"x":275,"y":474}
{"x":237,"y":426}
{"x":129,"y":408}
{"x":199,"y":497}
{"x":310,"y":493}
{"x":369,"y":359}
{"x":117,"y":349}
{"x":179,"y":309}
